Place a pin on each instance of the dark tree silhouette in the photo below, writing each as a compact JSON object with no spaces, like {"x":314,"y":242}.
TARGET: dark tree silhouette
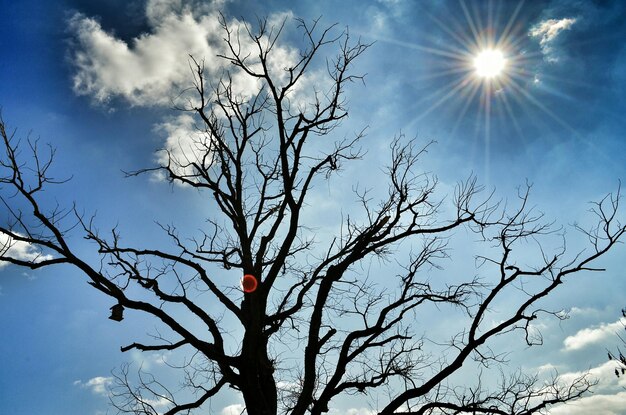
{"x":619,"y":358}
{"x":259,"y":158}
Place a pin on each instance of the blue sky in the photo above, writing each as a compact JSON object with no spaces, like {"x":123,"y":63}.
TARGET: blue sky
{"x":95,"y":79}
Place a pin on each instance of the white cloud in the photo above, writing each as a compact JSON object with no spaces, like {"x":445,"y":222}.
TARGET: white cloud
{"x":547,"y":368}
{"x":285,"y":385}
{"x":21,"y":250}
{"x":235,"y":409}
{"x":97,"y":385}
{"x":360,"y":411}
{"x":604,"y":374}
{"x":183,"y":143}
{"x":159,"y":402}
{"x":161,"y":358}
{"x":101,"y":385}
{"x":585,"y":311}
{"x":154,"y":68}
{"x":547,"y":31}
{"x":592,"y":335}
{"x":608,"y":398}
{"x":352,"y":411}
{"x":596,"y":404}
{"x":238,"y":409}
{"x":158,"y":10}
{"x":149,"y":71}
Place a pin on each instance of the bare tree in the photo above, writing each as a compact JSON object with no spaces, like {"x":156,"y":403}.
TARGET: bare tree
{"x":618,"y":357}
{"x":260,"y":154}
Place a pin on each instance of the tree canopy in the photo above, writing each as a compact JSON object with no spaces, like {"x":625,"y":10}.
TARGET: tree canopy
{"x":311,"y":326}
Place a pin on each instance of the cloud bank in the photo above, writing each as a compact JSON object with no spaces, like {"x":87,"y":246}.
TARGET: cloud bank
{"x":239,"y":409}
{"x":609,"y":397}
{"x":588,"y":336}
{"x":151,"y":70}
{"x":155,"y":69}
{"x":235,"y":409}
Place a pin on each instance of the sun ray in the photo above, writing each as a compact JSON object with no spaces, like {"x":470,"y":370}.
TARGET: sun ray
{"x":440,"y":52}
{"x":562,"y":80}
{"x":442,"y":99}
{"x":441,"y":74}
{"x":503,"y":91}
{"x":575,"y":133}
{"x":475,"y":86}
{"x":459,"y":56}
{"x":509,"y":110}
{"x":461,"y":38}
{"x":452,"y":88}
{"x":472,"y":25}
{"x":509,"y":25}
{"x":545,"y":109}
{"x":487,"y":127}
{"x":490,"y":14}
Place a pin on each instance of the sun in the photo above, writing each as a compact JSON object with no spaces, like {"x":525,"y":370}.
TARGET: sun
{"x":489,"y":63}
{"x":479,"y":64}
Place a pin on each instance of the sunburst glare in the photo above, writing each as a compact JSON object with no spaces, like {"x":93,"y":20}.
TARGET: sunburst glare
{"x":482,"y":66}
{"x":489,"y":63}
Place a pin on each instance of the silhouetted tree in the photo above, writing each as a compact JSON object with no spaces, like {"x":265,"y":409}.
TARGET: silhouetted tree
{"x":619,"y":358}
{"x":260,"y":155}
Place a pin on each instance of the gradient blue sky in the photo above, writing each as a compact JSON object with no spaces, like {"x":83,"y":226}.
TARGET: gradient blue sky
{"x":558,"y":122}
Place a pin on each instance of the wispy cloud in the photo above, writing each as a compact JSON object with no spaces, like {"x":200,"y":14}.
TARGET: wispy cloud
{"x":360,"y":411}
{"x":240,"y":409}
{"x":98,"y":385}
{"x":148,"y":361}
{"x":588,"y":336}
{"x":585,"y":311}
{"x":235,"y":409}
{"x":609,"y":397}
{"x":159,"y":402}
{"x":352,"y":411}
{"x":604,"y":374}
{"x":20,"y":250}
{"x":596,"y":404}
{"x":547,"y":31}
{"x":184,"y":142}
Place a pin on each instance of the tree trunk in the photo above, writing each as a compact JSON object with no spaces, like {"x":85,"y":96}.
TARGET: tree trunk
{"x":258,"y":386}
{"x":256,"y":370}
